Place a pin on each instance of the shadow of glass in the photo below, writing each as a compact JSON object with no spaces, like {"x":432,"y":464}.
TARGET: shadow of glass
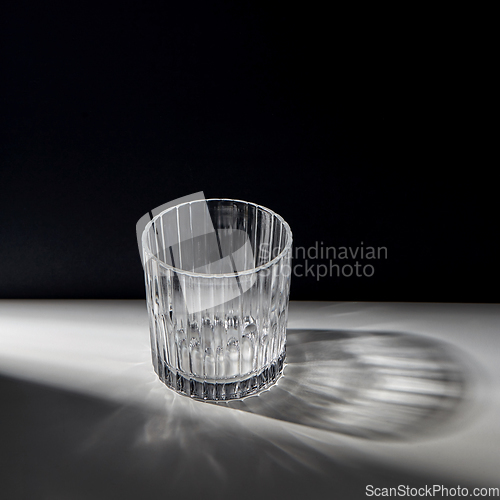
{"x":374,"y":385}
{"x":64,"y":444}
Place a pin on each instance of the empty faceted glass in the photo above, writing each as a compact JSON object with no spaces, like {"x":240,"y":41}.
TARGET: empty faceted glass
{"x":217,"y":277}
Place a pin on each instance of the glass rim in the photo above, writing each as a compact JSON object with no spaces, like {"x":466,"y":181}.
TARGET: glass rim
{"x":151,"y":256}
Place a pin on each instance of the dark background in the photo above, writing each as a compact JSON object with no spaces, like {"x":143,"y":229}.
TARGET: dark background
{"x":356,"y":126}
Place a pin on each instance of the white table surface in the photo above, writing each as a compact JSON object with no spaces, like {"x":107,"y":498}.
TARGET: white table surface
{"x":84,"y":415}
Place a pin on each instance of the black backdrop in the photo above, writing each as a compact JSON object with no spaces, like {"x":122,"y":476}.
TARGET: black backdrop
{"x":363,"y":126}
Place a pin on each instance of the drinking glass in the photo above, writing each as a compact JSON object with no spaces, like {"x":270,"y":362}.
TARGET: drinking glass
{"x":217,"y":275}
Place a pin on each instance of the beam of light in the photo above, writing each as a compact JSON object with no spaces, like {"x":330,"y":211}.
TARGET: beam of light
{"x":377,"y":383}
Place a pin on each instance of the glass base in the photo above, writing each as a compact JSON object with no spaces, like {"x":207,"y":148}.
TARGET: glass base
{"x":224,"y":390}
